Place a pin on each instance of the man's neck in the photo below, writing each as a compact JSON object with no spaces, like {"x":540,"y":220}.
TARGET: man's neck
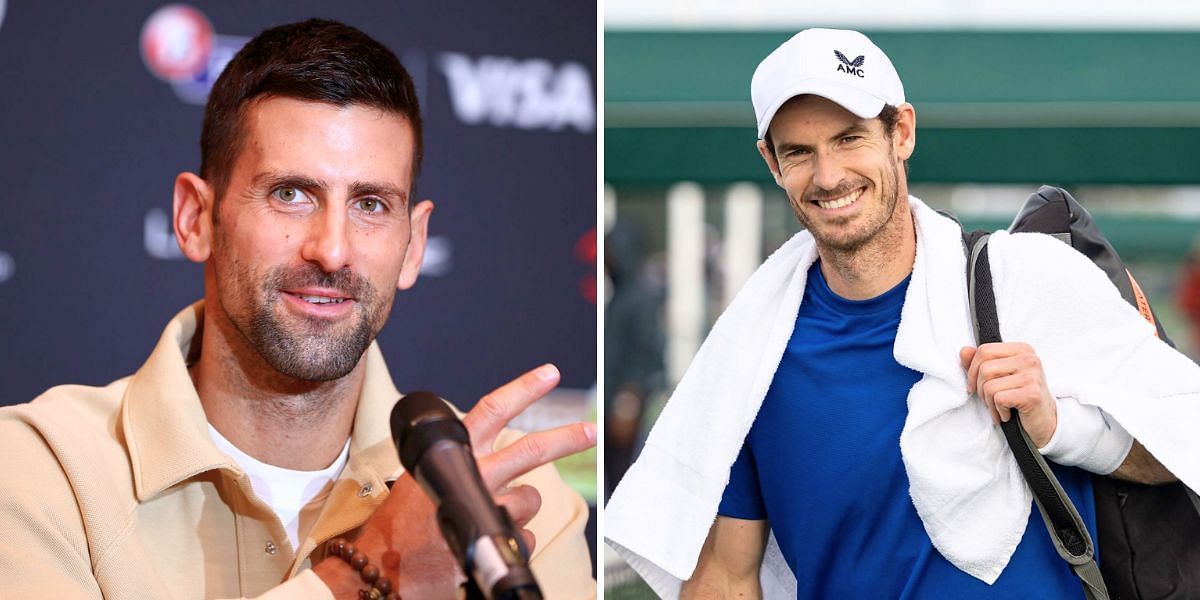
{"x":278,"y":420}
{"x":876,"y":267}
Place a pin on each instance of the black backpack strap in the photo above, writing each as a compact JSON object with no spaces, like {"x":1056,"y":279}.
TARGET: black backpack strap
{"x":1066,"y":527}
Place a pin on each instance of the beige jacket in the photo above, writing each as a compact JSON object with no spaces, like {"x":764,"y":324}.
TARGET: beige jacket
{"x":118,"y":492}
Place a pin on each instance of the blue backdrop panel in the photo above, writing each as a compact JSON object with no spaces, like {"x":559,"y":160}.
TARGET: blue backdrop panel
{"x":91,"y":139}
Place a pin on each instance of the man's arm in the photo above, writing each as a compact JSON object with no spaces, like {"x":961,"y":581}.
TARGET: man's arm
{"x":729,"y":561}
{"x":1140,"y":466}
{"x":44,"y":552}
{"x":1009,"y":376}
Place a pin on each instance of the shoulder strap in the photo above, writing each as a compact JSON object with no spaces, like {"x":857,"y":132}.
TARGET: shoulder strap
{"x":1066,"y":527}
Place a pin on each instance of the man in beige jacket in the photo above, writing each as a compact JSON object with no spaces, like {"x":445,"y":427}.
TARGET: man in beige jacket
{"x":257,"y":429}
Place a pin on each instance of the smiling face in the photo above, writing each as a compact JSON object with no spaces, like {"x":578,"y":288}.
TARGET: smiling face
{"x":843,"y":175}
{"x":314,"y":234}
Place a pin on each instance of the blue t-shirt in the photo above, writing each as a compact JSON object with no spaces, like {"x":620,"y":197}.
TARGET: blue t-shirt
{"x":822,"y":464}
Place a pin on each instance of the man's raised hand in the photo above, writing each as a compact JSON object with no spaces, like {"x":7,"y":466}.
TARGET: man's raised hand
{"x":402,"y":536}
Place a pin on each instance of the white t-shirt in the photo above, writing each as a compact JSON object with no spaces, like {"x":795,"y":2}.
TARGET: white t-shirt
{"x":287,"y":492}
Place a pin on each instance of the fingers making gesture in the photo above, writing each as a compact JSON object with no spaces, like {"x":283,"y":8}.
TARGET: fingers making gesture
{"x":402,"y":535}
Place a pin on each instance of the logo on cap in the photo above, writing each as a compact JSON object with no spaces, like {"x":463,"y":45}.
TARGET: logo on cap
{"x":850,"y":67}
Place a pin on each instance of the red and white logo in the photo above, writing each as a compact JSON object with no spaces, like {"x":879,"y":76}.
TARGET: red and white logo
{"x":585,"y":252}
{"x":176,"y":42}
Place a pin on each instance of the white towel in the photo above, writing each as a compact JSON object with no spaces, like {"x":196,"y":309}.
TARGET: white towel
{"x":964,"y":483}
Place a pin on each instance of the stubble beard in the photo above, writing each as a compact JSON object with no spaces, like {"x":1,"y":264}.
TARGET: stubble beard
{"x":316,"y":350}
{"x":865,"y":233}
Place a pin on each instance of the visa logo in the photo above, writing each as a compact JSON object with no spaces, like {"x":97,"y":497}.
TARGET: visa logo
{"x":525,"y":94}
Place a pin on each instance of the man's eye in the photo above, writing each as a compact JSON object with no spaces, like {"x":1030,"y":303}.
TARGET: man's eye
{"x":288,"y":195}
{"x":371,"y":205}
{"x":850,"y":139}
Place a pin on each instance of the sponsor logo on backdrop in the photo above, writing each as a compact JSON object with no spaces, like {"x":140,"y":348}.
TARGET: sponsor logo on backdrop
{"x":180,"y":47}
{"x":585,"y":253}
{"x":522,"y":93}
{"x":176,"y":42}
{"x":439,"y":257}
{"x":8,"y":265}
{"x":158,"y":238}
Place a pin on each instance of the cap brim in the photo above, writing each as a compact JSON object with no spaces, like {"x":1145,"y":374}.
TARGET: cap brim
{"x":862,"y":104}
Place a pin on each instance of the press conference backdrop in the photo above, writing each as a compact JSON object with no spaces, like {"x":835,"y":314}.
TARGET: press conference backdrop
{"x":101,"y":106}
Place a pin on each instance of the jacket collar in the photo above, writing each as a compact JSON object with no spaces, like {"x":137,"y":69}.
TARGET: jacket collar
{"x":166,"y":430}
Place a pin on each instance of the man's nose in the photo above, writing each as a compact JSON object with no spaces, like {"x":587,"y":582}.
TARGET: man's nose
{"x":328,"y":243}
{"x":828,"y":172}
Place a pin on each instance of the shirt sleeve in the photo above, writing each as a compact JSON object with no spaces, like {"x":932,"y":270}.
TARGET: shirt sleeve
{"x":743,"y":496}
{"x":44,"y":551}
{"x":1088,"y":438}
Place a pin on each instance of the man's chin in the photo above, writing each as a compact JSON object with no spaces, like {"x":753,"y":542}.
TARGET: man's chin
{"x":315,"y":365}
{"x":835,"y":235}
{"x":313,"y":350}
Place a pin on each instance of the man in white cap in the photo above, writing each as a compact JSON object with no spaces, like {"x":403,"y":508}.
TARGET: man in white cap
{"x":836,"y":436}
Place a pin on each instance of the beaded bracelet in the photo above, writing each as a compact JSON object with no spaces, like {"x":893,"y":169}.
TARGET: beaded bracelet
{"x":381,"y":587}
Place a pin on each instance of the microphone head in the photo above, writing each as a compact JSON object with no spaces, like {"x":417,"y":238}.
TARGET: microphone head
{"x":435,"y":448}
{"x":421,"y":419}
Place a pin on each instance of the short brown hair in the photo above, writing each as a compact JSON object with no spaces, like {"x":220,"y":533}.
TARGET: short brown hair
{"x":319,"y":60}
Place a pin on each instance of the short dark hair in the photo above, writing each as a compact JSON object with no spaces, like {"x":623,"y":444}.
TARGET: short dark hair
{"x":319,"y":60}
{"x":889,"y":116}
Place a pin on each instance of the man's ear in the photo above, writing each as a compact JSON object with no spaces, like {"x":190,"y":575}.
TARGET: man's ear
{"x":193,"y":216}
{"x":768,"y":156}
{"x":904,"y":136}
{"x":418,"y":221}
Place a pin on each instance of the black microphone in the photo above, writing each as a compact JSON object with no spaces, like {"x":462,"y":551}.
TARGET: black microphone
{"x":434,"y":446}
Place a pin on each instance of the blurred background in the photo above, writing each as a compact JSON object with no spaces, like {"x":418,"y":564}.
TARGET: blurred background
{"x":101,"y":107}
{"x":1102,"y":98}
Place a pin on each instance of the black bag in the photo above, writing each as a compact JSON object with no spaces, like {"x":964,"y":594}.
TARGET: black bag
{"x":1149,"y":536}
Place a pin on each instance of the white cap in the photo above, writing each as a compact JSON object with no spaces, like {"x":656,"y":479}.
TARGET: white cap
{"x":840,"y":65}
